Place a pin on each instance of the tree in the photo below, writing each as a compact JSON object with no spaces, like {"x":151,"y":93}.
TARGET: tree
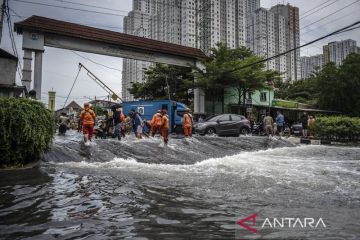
{"x":163,"y":80}
{"x":218,"y":72}
{"x":301,"y":91}
{"x":226,"y":68}
{"x":338,"y":87}
{"x":332,"y":88}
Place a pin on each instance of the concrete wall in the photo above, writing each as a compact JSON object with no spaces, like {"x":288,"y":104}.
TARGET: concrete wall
{"x":7,"y":71}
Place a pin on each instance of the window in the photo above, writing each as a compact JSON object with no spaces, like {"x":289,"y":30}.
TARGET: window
{"x":224,"y":118}
{"x":236,"y":118}
{"x":212,"y":119}
{"x":263,"y":97}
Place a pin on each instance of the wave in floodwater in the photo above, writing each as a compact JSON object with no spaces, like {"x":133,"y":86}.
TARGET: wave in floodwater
{"x":193,"y":189}
{"x":152,"y":150}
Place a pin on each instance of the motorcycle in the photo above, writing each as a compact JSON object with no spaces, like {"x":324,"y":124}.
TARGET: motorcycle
{"x":258,"y":129}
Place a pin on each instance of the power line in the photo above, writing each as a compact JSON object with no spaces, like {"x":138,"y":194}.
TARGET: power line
{"x":336,"y":19}
{"x":12,"y":38}
{"x":100,"y":64}
{"x":318,"y":10}
{"x":91,"y":11}
{"x":330,"y":14}
{"x":326,"y":1}
{"x":70,"y":8}
{"x":77,"y":75}
{"x":87,"y":24}
{"x":89,"y":5}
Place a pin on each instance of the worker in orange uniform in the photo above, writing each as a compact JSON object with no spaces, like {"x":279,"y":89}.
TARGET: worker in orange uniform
{"x":165,"y":126}
{"x":187,"y":122}
{"x":87,"y":117}
{"x":156,"y":123}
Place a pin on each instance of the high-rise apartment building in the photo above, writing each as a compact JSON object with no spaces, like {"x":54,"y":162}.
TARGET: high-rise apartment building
{"x":274,"y":31}
{"x":193,"y":23}
{"x":336,"y":52}
{"x":223,"y":21}
{"x":311,"y":65}
{"x":136,"y":23}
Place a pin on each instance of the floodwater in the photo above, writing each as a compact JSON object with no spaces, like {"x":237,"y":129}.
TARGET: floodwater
{"x":193,"y":189}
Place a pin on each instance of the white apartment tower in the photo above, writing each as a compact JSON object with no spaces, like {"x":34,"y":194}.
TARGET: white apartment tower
{"x":292,"y":37}
{"x":261,"y":35}
{"x":336,"y":52}
{"x":193,"y":23}
{"x":274,"y":31}
{"x":223,"y":21}
{"x":310,"y":65}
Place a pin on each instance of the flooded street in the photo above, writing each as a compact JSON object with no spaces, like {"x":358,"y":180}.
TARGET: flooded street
{"x":192,"y":189}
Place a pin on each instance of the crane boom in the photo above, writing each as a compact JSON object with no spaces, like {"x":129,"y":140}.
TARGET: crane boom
{"x":100,"y":83}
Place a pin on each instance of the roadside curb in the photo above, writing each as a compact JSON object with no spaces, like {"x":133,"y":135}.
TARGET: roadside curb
{"x":308,"y":141}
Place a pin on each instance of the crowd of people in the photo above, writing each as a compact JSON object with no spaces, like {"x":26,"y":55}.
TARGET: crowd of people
{"x":307,"y":122}
{"x":277,"y":126}
{"x":272,"y":127}
{"x":116,"y":124}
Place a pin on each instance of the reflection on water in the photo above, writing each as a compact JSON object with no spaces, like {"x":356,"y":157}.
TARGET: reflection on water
{"x":194,"y":189}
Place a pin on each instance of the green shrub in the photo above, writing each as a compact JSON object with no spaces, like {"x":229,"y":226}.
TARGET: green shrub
{"x":27,"y":129}
{"x":338,"y":128}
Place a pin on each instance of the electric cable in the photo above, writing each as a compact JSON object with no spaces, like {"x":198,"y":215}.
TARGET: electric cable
{"x":330,"y":14}
{"x":100,"y":64}
{"x":77,"y":75}
{"x":317,"y":10}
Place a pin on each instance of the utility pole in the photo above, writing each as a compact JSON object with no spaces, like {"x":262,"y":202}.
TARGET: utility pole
{"x":2,"y":14}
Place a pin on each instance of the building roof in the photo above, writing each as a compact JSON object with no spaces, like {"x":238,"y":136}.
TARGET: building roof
{"x":5,"y":54}
{"x":73,"y":105}
{"x":48,"y":25}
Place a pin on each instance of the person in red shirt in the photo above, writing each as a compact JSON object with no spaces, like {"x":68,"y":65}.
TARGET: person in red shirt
{"x":87,"y":117}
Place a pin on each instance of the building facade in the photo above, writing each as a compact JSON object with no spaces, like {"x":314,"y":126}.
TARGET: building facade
{"x":136,"y":23}
{"x":193,"y":23}
{"x":336,"y":52}
{"x":311,"y":65}
{"x":274,"y":31}
{"x":8,"y":66}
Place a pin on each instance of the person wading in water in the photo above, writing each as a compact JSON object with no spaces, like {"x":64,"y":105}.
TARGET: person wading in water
{"x":165,"y":126}
{"x":156,"y":123}
{"x":87,"y":117}
{"x":187,"y":121}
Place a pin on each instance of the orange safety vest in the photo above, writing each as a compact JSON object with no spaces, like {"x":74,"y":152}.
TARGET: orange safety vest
{"x":157,"y":120}
{"x":87,"y":116}
{"x":122,"y":117}
{"x":187,"y":120}
{"x":165,"y":121}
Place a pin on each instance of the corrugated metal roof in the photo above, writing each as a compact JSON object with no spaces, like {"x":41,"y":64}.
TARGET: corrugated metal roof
{"x":48,"y":25}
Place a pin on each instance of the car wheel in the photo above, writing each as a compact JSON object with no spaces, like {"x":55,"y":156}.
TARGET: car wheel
{"x":210,"y":131}
{"x":244,"y":131}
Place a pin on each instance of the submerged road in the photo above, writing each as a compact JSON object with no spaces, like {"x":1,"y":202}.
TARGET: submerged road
{"x":193,"y":189}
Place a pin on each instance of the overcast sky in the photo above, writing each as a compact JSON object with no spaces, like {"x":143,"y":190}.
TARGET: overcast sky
{"x":60,"y":66}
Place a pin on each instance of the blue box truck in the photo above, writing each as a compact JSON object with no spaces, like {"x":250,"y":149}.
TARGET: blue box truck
{"x":148,"y":108}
